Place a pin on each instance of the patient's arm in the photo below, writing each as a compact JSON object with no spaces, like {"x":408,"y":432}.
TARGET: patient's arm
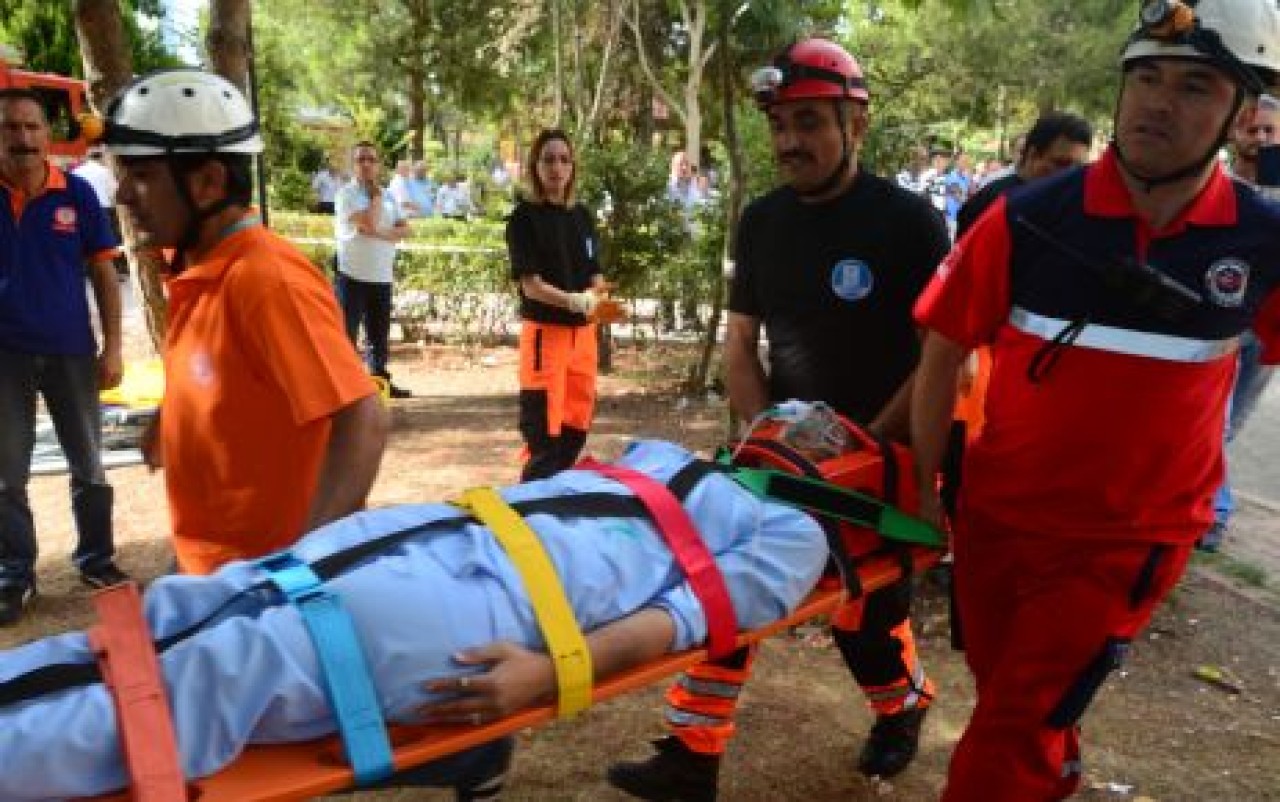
{"x":518,"y":677}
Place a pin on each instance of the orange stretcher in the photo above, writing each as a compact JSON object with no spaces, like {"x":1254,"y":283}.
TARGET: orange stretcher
{"x":298,"y":771}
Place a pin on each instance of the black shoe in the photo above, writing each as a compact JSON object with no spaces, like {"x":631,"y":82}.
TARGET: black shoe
{"x":1211,"y":541}
{"x":14,"y":600}
{"x":398,"y":392}
{"x":497,"y":755}
{"x":892,"y":743}
{"x":674,"y":774}
{"x":103,"y":576}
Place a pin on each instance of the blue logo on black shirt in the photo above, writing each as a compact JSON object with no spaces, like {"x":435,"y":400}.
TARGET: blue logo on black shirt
{"x":852,"y":280}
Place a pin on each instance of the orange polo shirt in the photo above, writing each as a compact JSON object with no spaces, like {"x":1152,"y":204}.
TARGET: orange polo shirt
{"x":256,"y":363}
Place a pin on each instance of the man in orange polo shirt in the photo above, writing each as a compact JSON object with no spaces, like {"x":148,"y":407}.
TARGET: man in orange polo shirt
{"x":270,"y":425}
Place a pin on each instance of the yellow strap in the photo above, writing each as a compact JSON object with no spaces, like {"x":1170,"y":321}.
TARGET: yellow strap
{"x":559,"y":626}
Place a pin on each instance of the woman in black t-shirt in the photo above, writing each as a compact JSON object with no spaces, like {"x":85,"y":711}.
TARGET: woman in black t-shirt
{"x":555,"y":262}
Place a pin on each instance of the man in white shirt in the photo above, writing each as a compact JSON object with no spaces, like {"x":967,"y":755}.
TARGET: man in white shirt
{"x":325,"y":184}
{"x":103,"y":181}
{"x":99,"y":176}
{"x":453,"y":200}
{"x":401,"y":188}
{"x":423,"y":190}
{"x":367,"y":225}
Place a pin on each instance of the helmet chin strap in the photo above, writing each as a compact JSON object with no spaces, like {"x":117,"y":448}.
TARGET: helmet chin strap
{"x":196,"y":218}
{"x":842,"y":169}
{"x":1149,"y":183}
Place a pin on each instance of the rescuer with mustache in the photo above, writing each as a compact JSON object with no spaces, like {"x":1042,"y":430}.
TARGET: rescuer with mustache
{"x":829,"y":265}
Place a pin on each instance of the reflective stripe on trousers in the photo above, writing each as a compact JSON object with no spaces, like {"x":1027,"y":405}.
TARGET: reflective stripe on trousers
{"x":881,"y":654}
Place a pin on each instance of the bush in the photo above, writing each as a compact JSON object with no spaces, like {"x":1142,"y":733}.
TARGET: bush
{"x":460,"y":288}
{"x":289,"y":188}
{"x":626,"y":185}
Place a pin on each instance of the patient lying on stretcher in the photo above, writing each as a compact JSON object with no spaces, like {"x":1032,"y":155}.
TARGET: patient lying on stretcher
{"x":251,"y":675}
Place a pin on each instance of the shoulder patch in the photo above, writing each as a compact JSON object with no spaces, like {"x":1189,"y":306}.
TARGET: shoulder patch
{"x":1227,"y":280}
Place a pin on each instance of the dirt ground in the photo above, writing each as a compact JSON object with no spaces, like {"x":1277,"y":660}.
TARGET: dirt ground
{"x":1155,"y":734}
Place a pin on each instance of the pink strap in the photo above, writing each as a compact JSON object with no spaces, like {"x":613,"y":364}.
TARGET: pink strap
{"x":689,"y":550}
{"x":130,"y":670}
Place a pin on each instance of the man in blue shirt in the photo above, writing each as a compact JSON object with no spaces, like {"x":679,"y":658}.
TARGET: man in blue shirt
{"x":51,"y":226}
{"x":423,"y":190}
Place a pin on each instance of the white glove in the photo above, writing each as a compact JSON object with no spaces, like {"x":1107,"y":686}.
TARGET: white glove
{"x":584,"y":303}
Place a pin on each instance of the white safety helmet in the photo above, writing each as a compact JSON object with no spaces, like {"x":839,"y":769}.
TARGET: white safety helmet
{"x":181,"y":111}
{"x":1230,"y":33}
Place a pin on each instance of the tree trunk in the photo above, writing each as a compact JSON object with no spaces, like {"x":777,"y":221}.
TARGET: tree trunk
{"x":417,"y":112}
{"x":228,"y":41}
{"x":734,"y":201}
{"x":557,"y":49}
{"x":108,"y":67}
{"x":692,"y":102}
{"x":230,"y":46}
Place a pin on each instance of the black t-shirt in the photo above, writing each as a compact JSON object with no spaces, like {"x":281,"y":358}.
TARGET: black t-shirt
{"x":975,"y":206}
{"x":834,"y":284}
{"x":557,"y":243}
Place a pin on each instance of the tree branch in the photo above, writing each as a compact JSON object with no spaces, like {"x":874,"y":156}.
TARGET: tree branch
{"x":633,"y":22}
{"x":611,"y":38}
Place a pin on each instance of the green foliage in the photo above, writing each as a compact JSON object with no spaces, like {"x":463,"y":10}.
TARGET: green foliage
{"x":427,"y":231}
{"x":460,"y":287}
{"x":949,"y":70}
{"x":759,"y":166}
{"x":289,"y":188}
{"x":958,"y":71}
{"x":642,"y":228}
{"x":46,"y":34}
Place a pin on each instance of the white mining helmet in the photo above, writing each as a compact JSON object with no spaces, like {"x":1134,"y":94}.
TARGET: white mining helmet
{"x":1246,"y":31}
{"x":181,"y":111}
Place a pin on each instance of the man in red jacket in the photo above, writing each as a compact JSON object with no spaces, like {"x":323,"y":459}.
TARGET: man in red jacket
{"x":1113,"y":298}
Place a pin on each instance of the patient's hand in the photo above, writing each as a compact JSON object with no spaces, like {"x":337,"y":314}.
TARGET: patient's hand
{"x":517,"y":678}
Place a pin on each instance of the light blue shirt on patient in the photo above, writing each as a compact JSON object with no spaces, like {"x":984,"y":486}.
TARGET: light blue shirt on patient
{"x":253,"y":677}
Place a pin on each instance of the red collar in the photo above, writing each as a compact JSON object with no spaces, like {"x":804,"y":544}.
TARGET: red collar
{"x":1106,"y":195}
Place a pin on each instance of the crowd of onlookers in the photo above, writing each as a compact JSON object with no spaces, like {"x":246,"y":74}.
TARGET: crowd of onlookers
{"x":949,"y":178}
{"x":417,"y":193}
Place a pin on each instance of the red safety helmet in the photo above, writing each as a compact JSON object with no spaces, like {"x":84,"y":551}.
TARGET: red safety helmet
{"x":810,"y":69}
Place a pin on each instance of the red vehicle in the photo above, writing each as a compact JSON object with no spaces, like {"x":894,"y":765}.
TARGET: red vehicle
{"x":64,"y":100}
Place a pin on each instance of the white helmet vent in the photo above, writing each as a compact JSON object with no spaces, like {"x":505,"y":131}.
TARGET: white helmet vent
{"x":181,"y":111}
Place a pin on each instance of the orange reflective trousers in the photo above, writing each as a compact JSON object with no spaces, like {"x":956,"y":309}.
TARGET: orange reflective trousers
{"x":874,"y":637}
{"x":557,"y":394}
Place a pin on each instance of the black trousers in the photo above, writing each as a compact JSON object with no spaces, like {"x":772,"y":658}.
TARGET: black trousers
{"x":367,"y":303}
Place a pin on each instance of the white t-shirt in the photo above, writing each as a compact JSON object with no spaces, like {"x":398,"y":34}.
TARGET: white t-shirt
{"x":399,"y":189}
{"x":325,"y":185}
{"x":102,"y":179}
{"x":359,"y":256}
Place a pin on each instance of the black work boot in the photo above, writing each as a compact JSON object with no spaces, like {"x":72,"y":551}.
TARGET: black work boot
{"x":393,"y":391}
{"x":674,"y":774}
{"x":495,"y":760}
{"x":892,"y":743}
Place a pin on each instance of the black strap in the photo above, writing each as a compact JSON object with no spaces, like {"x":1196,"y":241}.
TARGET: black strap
{"x":830,"y":527}
{"x":62,"y":676}
{"x":810,"y":496}
{"x":683,"y":481}
{"x":889,"y":468}
{"x":892,"y":475}
{"x":1048,"y":354}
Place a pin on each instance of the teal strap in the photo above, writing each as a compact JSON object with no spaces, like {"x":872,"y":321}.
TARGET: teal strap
{"x":248,"y":221}
{"x":346,"y":675}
